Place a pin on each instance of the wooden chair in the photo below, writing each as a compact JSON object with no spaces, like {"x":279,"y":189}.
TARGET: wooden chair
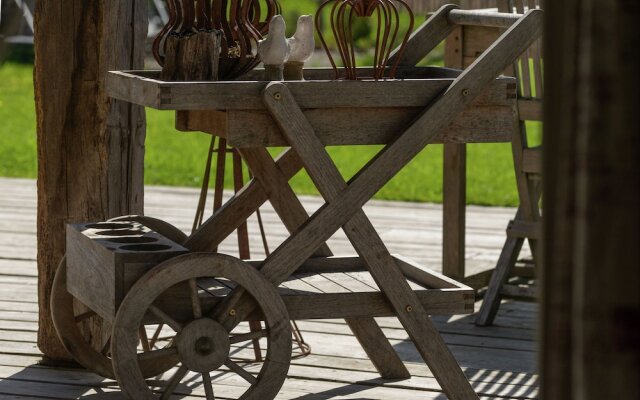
{"x":507,"y":278}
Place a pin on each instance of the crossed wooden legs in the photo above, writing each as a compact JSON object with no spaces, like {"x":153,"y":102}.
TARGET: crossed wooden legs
{"x":368,"y":244}
{"x":344,"y":202}
{"x":293,"y":215}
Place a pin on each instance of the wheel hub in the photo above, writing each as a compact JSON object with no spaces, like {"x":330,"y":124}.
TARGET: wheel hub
{"x":203,"y":345}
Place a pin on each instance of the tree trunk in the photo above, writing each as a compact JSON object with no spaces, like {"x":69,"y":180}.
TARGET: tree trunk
{"x":591,"y":306}
{"x":90,"y":149}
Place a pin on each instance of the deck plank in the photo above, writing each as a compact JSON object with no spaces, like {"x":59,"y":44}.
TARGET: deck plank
{"x":498,"y":360}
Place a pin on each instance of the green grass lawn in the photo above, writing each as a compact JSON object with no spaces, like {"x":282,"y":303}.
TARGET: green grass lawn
{"x":174,"y":158}
{"x":18,"y":127}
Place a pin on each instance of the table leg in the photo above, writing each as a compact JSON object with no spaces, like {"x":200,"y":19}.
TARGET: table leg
{"x":454,"y":198}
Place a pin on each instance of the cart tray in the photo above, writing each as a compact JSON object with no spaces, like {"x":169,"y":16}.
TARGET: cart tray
{"x":341,"y":112}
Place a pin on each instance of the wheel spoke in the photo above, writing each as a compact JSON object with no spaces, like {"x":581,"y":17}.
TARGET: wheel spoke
{"x":256,"y":326}
{"x":241,"y":371}
{"x":195,"y":299}
{"x":85,"y":316}
{"x":166,"y":318}
{"x":173,"y":383}
{"x":248,"y":336}
{"x":156,"y":335}
{"x":169,"y":351}
{"x":208,"y":387}
{"x":142,"y":332}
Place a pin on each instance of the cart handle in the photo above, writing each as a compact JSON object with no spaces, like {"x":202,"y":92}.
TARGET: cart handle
{"x":440,"y":25}
{"x":489,"y":19}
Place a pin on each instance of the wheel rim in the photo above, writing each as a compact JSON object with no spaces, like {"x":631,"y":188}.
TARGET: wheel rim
{"x":66,"y":323}
{"x":187,"y":269}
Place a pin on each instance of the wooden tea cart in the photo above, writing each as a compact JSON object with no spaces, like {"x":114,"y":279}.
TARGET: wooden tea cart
{"x":137,"y":271}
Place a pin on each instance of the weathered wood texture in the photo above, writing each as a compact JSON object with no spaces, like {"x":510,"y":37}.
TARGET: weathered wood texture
{"x":419,"y":87}
{"x":104,"y":260}
{"x":396,"y":155}
{"x":362,"y":235}
{"x":369,"y":246}
{"x":90,"y":149}
{"x":367,"y":126}
{"x":591,"y":195}
{"x":125,"y":338}
{"x":192,"y":57}
{"x":425,"y":6}
{"x":454,"y":179}
{"x":293,"y":215}
{"x":463,"y":46}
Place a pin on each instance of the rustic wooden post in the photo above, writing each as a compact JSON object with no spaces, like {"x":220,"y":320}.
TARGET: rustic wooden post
{"x":591,"y":306}
{"x":90,"y":149}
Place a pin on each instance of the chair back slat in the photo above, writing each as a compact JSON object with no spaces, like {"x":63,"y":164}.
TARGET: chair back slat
{"x":528,"y":68}
{"x":524,"y":66}
{"x":536,"y":56}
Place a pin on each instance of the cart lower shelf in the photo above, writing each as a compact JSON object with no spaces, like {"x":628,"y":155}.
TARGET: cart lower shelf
{"x":338,"y":287}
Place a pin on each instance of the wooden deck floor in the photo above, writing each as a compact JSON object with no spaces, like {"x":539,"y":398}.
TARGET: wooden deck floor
{"x":499,"y":360}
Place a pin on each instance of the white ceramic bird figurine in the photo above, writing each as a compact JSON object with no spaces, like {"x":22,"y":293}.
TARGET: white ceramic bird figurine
{"x":274,"y":50}
{"x":302,"y":43}
{"x":301,"y":47}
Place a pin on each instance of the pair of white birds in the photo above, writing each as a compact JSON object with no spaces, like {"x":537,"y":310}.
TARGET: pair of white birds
{"x":276,"y":49}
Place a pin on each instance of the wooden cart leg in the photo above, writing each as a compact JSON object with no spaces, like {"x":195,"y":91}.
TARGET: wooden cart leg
{"x":237,"y":210}
{"x":293,"y":215}
{"x":275,"y":185}
{"x":369,"y":246}
{"x":378,"y":349}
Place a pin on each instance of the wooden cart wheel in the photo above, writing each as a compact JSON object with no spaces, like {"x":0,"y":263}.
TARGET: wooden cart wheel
{"x":202,"y":343}
{"x":67,"y":323}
